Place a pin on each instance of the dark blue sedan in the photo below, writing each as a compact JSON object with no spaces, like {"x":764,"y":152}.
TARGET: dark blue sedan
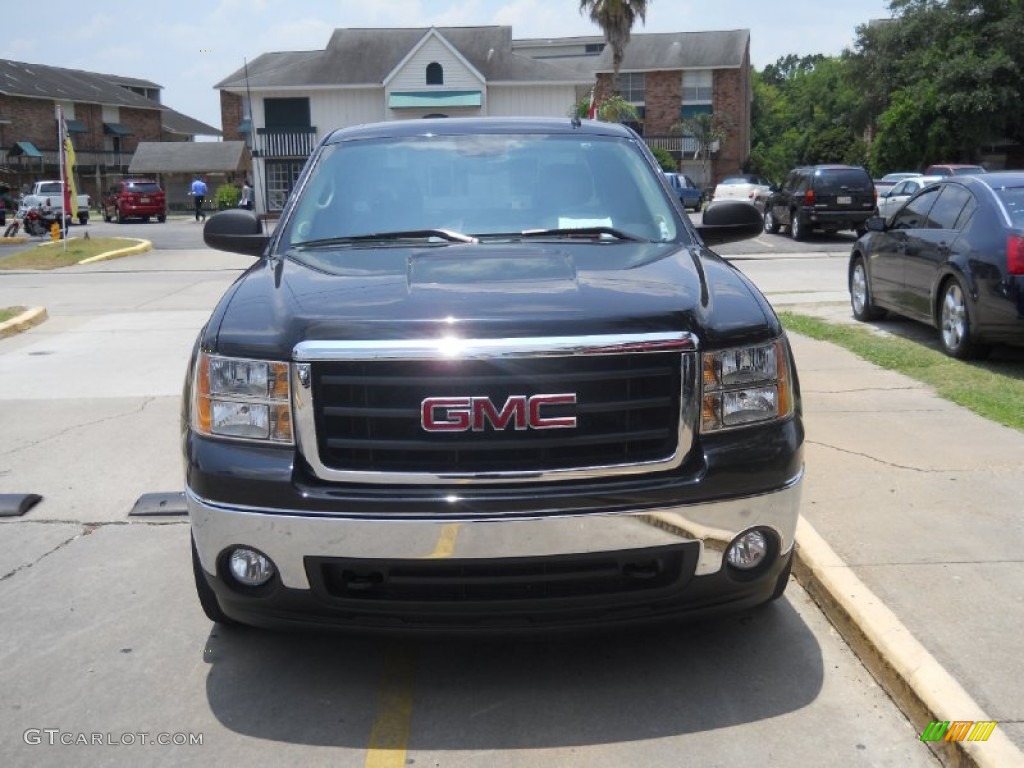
{"x":952,"y":257}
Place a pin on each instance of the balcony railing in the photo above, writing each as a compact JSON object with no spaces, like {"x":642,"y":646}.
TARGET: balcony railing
{"x":285,"y":142}
{"x":84,"y":158}
{"x":678,"y":143}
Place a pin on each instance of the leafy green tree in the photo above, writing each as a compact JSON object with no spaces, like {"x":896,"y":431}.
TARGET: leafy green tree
{"x":805,"y":110}
{"x":708,"y":130}
{"x":616,"y":19}
{"x":613,"y":109}
{"x":665,"y":159}
{"x":942,"y":80}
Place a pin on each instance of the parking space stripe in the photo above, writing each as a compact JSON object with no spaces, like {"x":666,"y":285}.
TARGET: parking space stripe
{"x":389,"y":737}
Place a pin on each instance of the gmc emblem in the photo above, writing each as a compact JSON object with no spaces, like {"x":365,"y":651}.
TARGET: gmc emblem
{"x":460,"y":414}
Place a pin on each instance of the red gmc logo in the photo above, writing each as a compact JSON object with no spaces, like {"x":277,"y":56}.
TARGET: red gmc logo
{"x":460,"y":414}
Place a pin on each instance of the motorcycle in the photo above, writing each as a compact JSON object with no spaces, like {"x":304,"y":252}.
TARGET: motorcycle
{"x":39,"y":221}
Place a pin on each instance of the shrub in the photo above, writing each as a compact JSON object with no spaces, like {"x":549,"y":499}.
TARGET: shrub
{"x":665,"y":159}
{"x":227,"y":196}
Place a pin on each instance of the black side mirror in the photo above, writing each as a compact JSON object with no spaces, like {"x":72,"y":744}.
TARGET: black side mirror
{"x":726,"y":221}
{"x":875,"y":224}
{"x":236,"y":230}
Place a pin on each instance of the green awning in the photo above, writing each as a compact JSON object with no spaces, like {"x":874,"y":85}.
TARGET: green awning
{"x":26,"y":148}
{"x":116,"y":129}
{"x":76,"y":126}
{"x":245,"y":126}
{"x":434,"y":99}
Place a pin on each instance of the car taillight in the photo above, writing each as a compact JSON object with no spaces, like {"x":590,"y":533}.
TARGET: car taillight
{"x":809,"y":197}
{"x":1015,"y":254}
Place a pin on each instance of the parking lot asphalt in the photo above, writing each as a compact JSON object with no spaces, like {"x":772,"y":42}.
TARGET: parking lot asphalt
{"x":912,"y":517}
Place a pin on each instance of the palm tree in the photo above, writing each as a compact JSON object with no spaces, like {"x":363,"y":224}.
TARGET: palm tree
{"x":616,"y":19}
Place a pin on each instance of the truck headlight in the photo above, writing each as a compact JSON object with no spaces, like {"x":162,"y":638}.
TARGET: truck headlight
{"x":746,"y":385}
{"x":247,"y":399}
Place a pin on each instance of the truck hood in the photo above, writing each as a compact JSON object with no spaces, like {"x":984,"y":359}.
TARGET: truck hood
{"x":487,"y":291}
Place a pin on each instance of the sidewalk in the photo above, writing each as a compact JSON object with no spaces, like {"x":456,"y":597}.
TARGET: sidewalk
{"x":923,"y":502}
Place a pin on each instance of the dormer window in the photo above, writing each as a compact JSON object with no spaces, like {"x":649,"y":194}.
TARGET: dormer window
{"x":435,"y":74}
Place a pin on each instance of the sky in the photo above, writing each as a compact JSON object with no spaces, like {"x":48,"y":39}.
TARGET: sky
{"x":190,"y":45}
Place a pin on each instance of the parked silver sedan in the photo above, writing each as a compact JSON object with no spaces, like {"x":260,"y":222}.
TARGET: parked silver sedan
{"x":901,"y":192}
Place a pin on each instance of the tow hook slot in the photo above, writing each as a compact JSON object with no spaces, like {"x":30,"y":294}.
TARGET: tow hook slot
{"x":643,"y":571}
{"x":361,"y":582}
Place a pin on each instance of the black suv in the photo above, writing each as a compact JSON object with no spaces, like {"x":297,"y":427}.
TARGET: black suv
{"x":827,"y":197}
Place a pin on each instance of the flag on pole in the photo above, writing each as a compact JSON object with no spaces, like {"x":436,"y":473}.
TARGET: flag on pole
{"x":592,"y":108}
{"x":68,"y":166}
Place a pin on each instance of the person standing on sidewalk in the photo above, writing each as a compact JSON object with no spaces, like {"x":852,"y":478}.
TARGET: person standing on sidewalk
{"x":198,"y":195}
{"x":246,"y":201}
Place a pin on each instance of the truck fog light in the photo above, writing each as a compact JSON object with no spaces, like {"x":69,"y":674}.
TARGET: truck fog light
{"x":748,"y":550}
{"x":249,"y":567}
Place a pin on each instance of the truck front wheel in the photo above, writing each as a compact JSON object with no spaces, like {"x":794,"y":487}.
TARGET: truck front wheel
{"x":83,"y":219}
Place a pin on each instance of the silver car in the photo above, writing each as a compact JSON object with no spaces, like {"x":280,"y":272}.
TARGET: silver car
{"x":901,"y":192}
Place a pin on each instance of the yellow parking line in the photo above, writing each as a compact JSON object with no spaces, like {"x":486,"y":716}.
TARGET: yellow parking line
{"x":389,"y":737}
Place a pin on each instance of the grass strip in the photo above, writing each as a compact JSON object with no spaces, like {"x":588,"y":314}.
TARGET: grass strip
{"x":6,"y":313}
{"x":990,"y":388}
{"x":53,"y":255}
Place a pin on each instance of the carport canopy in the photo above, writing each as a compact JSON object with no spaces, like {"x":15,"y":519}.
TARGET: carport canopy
{"x":190,"y":157}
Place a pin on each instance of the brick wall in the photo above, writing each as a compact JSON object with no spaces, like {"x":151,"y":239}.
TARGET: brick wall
{"x":663,"y":98}
{"x":731,"y":98}
{"x":31,"y":120}
{"x":145,"y":125}
{"x":231,"y":116}
{"x":35,"y":120}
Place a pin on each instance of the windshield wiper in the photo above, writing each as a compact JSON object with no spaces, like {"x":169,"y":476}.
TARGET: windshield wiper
{"x":383,"y":237}
{"x":618,"y":234}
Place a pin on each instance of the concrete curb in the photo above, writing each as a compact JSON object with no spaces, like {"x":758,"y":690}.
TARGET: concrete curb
{"x":912,"y":677}
{"x":22,"y":322}
{"x":16,"y":240}
{"x":141,"y":247}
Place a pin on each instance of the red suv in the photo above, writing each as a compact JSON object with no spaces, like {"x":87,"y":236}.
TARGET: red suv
{"x":139,"y":198}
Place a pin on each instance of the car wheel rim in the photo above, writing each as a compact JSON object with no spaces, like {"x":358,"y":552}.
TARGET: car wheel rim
{"x":954,"y":317}
{"x":859,"y":289}
{"x":767,"y":221}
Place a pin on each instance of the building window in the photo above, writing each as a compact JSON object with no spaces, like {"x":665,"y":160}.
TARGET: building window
{"x":697,"y":86}
{"x":435,"y":74}
{"x":282,"y":176}
{"x":630,"y":86}
{"x":282,"y":114}
{"x":594,"y":47}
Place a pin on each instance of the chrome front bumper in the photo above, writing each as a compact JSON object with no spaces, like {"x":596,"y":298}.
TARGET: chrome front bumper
{"x":288,"y":538}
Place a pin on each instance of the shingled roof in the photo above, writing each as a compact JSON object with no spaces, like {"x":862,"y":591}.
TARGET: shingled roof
{"x":368,"y":56}
{"x":680,"y":50}
{"x":42,"y":81}
{"x":190,"y":157}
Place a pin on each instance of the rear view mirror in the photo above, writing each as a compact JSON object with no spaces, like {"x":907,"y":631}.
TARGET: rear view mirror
{"x":727,"y":221}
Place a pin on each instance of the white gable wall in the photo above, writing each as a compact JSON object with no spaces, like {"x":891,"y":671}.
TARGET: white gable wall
{"x":413,"y":75}
{"x":329,"y":108}
{"x":530,"y":100}
{"x":338,"y":109}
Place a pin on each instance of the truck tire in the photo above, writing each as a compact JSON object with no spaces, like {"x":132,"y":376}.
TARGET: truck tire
{"x":83,"y":219}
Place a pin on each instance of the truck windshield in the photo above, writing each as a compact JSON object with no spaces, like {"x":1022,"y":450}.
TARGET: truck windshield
{"x":484,"y":186}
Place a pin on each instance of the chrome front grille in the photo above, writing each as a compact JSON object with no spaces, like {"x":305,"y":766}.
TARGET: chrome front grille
{"x":360,"y":419}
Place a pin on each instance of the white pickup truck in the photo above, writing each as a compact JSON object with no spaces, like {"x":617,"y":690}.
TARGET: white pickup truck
{"x":51,"y":193}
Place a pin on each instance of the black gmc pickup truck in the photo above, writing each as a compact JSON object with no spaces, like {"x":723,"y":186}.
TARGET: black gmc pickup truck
{"x":486,"y":375}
